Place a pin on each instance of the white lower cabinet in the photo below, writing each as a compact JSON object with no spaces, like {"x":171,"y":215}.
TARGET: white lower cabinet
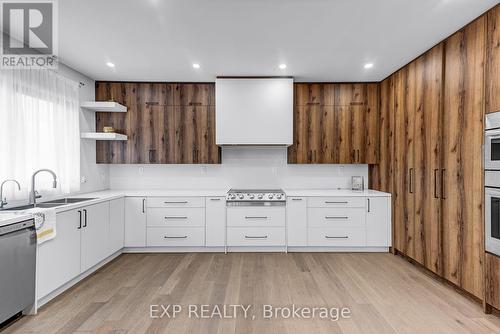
{"x":296,"y":217}
{"x":58,"y":260}
{"x":116,"y":224}
{"x":378,"y":222}
{"x":336,"y":236}
{"x":255,"y":236}
{"x":135,"y":222}
{"x":215,"y":220}
{"x":176,"y":236}
{"x":94,"y":235}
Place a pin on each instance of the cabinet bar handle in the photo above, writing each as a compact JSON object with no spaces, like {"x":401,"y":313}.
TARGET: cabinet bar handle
{"x":435,"y":183}
{"x":369,"y":206}
{"x":80,"y":225}
{"x":85,"y":221}
{"x":333,"y":217}
{"x":296,"y":199}
{"x":176,"y":202}
{"x":179,"y":237}
{"x":411,"y":181}
{"x":331,"y":202}
{"x":215,"y":199}
{"x":143,"y":205}
{"x":443,"y":171}
{"x":343,"y":237}
{"x":176,"y":217}
{"x":255,"y":217}
{"x":256,"y":237}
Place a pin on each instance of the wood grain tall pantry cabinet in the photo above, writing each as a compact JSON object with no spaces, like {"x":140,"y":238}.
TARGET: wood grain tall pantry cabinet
{"x":165,"y":123}
{"x":432,"y":126}
{"x":335,"y":123}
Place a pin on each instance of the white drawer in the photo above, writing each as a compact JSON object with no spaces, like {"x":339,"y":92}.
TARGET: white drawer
{"x":336,"y":202}
{"x":256,"y":216}
{"x":255,"y":236}
{"x":175,"y":236}
{"x":336,"y":236}
{"x":336,"y":217}
{"x":176,"y":217}
{"x":176,"y":202}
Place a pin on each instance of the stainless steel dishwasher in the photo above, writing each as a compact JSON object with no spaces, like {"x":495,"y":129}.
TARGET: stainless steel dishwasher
{"x":17,"y":268}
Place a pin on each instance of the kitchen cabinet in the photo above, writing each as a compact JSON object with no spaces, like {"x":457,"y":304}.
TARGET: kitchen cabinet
{"x":492,"y":274}
{"x":337,"y":123}
{"x":378,"y":222}
{"x":116,"y":225}
{"x":296,"y":216}
{"x":195,"y":135}
{"x":215,"y":229}
{"x":462,"y":175}
{"x":94,"y":235}
{"x":166,"y":123}
{"x":135,"y":222}
{"x":58,"y":260}
{"x":493,"y":61}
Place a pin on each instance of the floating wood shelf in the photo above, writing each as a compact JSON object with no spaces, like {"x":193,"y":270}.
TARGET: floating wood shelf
{"x":104,"y":106}
{"x":103,"y":136}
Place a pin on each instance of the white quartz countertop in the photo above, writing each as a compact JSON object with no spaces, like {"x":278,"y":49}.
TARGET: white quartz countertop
{"x":7,"y":218}
{"x":335,"y":193}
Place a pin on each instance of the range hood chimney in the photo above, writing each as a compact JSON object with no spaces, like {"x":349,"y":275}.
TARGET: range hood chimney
{"x":254,"y":111}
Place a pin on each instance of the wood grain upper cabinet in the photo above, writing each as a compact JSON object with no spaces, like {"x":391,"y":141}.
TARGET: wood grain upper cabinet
{"x":462,"y":192}
{"x":195,"y":94}
{"x":195,"y":135}
{"x":493,"y":61}
{"x":319,"y":94}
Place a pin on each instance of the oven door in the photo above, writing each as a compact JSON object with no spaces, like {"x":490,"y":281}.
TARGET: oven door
{"x":492,"y":149}
{"x":492,"y":220}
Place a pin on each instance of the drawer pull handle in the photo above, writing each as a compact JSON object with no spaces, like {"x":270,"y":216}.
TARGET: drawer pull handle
{"x":176,"y":237}
{"x":296,"y":199}
{"x":333,"y":217}
{"x":215,"y":199}
{"x":176,"y":217}
{"x":332,"y":202}
{"x":343,"y":237}
{"x":256,"y":237}
{"x":176,"y":202}
{"x":255,"y":217}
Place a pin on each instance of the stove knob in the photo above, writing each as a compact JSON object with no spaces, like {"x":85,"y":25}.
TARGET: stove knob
{"x":260,"y":196}
{"x":251,"y":196}
{"x":241,"y":196}
{"x":278,"y":196}
{"x":270,"y":196}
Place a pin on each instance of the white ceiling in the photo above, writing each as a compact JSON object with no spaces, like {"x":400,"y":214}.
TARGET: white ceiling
{"x":319,"y":40}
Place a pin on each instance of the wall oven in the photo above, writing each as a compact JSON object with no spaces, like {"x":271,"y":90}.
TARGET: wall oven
{"x":492,"y":212}
{"x":492,"y":142}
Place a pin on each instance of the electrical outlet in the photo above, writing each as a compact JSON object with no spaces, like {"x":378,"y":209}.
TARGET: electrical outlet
{"x":83,"y":179}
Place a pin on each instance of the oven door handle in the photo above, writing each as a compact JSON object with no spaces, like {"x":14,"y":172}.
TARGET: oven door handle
{"x":492,"y":133}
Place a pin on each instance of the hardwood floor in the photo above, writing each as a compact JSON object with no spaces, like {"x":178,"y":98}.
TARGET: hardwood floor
{"x":385,"y":294}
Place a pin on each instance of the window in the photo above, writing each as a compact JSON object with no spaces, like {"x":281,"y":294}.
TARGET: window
{"x":39,"y":128}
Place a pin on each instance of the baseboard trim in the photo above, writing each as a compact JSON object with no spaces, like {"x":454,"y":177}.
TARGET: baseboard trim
{"x":339,"y":249}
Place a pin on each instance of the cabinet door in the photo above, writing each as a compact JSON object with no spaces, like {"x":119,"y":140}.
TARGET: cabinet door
{"x":296,"y":221}
{"x":462,"y":193}
{"x":493,"y":61}
{"x":378,"y":222}
{"x":344,"y":123}
{"x":195,"y":135}
{"x":319,"y":94}
{"x":428,"y":99}
{"x":116,"y":225}
{"x":372,"y":126}
{"x":94,"y":235}
{"x":195,"y":94}
{"x":135,"y":222}
{"x":215,"y":221}
{"x":59,"y":259}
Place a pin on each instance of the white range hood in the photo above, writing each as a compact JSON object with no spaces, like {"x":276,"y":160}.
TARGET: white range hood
{"x":254,"y":111}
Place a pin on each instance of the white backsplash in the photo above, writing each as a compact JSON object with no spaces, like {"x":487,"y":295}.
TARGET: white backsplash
{"x":242,"y":167}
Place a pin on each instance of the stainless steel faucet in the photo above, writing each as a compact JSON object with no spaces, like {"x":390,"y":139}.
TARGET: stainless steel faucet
{"x":34,"y":194}
{"x":3,"y":201}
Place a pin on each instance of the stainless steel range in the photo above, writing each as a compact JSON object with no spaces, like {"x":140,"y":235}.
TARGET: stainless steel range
{"x":256,"y":197}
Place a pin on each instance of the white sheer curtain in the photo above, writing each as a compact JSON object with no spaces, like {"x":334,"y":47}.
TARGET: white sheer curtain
{"x":39,"y":128}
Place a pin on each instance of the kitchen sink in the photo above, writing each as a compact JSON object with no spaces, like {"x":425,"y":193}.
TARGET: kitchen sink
{"x":50,"y":204}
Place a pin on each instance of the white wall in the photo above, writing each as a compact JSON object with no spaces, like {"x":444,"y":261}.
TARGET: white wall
{"x":95,"y":176}
{"x":242,"y":167}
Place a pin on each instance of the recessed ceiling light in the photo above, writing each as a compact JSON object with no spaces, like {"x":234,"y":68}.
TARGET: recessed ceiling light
{"x":282,"y":66}
{"x":195,"y":65}
{"x":110,"y":64}
{"x":368,"y":65}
